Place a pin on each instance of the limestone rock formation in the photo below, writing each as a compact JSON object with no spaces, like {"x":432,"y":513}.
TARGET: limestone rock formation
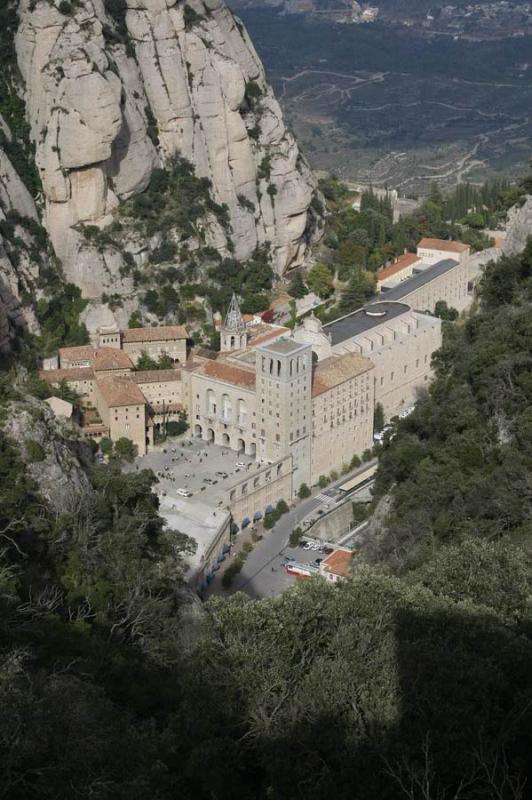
{"x":518,"y":228}
{"x":59,"y":468}
{"x":17,"y":272}
{"x":110,"y":98}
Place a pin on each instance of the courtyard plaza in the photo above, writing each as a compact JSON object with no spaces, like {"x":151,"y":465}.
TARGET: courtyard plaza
{"x":193,"y":464}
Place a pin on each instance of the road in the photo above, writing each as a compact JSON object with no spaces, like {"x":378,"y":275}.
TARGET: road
{"x":257,"y":579}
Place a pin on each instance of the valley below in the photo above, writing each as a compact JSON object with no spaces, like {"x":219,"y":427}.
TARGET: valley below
{"x":396,"y":107}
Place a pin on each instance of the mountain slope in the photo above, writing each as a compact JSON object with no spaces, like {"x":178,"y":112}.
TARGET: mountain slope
{"x":113,"y":91}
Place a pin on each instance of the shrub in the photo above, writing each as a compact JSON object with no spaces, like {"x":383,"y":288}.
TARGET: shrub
{"x":282,"y":507}
{"x":355,"y":462}
{"x":177,"y":427}
{"x":135,"y":320}
{"x":295,"y":537}
{"x":253,"y":92}
{"x":304,"y":491}
{"x":191,"y":18}
{"x":361,"y":511}
{"x":367,"y":455}
{"x":270,"y":518}
{"x":247,"y":547}
{"x":34,"y":451}
{"x":106,"y":446}
{"x":323,"y":481}
{"x":125,"y":449}
{"x":65,"y":8}
{"x":334,"y":475}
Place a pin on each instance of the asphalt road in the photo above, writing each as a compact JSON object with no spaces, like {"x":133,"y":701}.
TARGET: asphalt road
{"x":257,"y":579}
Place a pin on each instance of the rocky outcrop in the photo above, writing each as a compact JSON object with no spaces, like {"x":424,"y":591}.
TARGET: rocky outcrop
{"x":518,"y":227}
{"x":57,"y":461}
{"x":110,"y":99}
{"x":17,"y":269}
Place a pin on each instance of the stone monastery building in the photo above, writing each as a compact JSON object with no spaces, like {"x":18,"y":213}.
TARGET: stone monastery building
{"x":303,"y":400}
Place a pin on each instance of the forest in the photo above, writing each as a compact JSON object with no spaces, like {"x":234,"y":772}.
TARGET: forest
{"x":410,"y":680}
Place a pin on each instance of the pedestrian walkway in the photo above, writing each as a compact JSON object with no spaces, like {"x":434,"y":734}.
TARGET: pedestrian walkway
{"x":323,"y":498}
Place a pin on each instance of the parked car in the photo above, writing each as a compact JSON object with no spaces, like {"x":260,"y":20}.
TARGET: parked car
{"x":184,"y":492}
{"x":221,"y":474}
{"x":240,"y":464}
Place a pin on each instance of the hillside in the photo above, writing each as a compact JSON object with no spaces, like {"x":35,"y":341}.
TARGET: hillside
{"x":139,"y":136}
{"x":411,"y":679}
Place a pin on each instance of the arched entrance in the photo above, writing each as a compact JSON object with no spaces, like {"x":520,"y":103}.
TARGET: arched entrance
{"x":198,"y":431}
{"x":225,"y":439}
{"x":240,"y":445}
{"x":252,"y":449}
{"x":210,"y":435}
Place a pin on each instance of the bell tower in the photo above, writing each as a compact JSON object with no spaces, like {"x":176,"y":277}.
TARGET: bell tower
{"x":233,"y":333}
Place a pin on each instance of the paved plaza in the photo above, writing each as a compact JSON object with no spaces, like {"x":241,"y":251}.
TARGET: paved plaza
{"x":198,"y":467}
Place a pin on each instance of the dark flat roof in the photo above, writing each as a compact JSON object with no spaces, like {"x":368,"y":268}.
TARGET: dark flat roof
{"x":419,"y":279}
{"x":363,"y":320}
{"x":388,"y":308}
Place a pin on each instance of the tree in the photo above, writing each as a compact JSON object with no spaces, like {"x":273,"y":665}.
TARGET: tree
{"x":359,"y":289}
{"x":320,"y":280}
{"x":146,"y":362}
{"x":177,"y":427}
{"x":297,"y":288}
{"x":270,"y":518}
{"x":125,"y":449}
{"x":323,"y":481}
{"x":378,"y":417}
{"x":164,"y":361}
{"x":106,"y":446}
{"x":282,"y":507}
{"x":304,"y":491}
{"x":295,"y":537}
{"x":442,"y":310}
{"x":135,"y":320}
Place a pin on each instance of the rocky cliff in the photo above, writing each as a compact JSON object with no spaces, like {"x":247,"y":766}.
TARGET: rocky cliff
{"x":19,"y":266}
{"x":114,"y":90}
{"x":519,"y":227}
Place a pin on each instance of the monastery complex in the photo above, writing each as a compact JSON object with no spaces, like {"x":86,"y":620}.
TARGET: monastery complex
{"x":300,"y":402}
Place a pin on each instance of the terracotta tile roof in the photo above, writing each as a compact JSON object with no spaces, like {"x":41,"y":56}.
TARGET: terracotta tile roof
{"x":99,"y":357}
{"x":335,"y":370}
{"x":403,"y":262}
{"x":205,"y":352}
{"x":82,"y":353}
{"x":71,"y":374}
{"x":339,"y":563}
{"x":227,"y":373}
{"x":111,"y":359}
{"x":156,"y":375}
{"x":444,"y":244}
{"x":103,"y":429}
{"x":161,"y":333}
{"x":120,"y":390}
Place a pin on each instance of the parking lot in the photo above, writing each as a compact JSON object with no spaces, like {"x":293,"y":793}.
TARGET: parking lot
{"x":203,"y":469}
